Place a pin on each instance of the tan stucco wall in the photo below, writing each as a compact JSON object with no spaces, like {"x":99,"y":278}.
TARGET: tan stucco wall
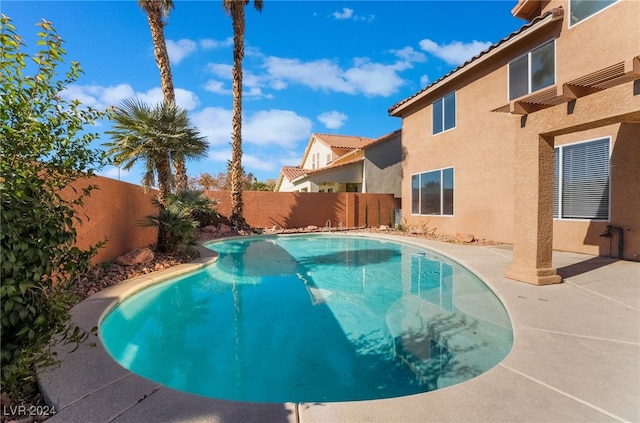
{"x":112,"y":213}
{"x":297,"y":210}
{"x":479,"y":148}
{"x":482,"y":146}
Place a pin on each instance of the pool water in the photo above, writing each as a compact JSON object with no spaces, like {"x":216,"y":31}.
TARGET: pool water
{"x":312,"y":318}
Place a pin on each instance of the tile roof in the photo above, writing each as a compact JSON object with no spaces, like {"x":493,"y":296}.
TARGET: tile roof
{"x":342,"y":141}
{"x":522,"y":29}
{"x":292,"y":172}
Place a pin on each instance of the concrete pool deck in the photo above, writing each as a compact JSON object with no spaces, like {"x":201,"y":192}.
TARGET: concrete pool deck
{"x":575,"y":358}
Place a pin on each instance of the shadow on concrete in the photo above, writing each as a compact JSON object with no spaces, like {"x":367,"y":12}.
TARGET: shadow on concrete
{"x":585,"y":266}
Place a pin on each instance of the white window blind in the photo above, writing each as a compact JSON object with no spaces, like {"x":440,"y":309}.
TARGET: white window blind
{"x":581,"y":180}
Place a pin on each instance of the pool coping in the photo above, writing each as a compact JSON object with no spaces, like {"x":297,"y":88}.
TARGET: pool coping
{"x":567,"y":363}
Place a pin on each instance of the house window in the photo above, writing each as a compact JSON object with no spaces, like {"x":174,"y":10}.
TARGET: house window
{"x":444,"y":113}
{"x":581,"y":174}
{"x":533,"y":71}
{"x":580,"y":10}
{"x":432,"y":192}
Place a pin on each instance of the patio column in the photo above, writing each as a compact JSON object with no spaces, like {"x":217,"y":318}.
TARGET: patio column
{"x":533,"y":224}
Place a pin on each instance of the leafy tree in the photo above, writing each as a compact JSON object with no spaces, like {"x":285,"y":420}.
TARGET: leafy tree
{"x":45,"y":148}
{"x":235,"y":9}
{"x":222,"y":182}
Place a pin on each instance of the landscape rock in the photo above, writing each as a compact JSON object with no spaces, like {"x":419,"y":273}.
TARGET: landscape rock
{"x":383,"y":228}
{"x":312,"y":228}
{"x":224,"y":229}
{"x":137,"y":256}
{"x":210,"y":229}
{"x":465,"y":238}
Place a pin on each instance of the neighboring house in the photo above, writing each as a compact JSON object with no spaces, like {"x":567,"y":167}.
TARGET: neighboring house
{"x":536,"y":140}
{"x":340,"y":163}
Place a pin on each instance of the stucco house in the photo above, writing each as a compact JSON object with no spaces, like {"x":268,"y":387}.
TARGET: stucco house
{"x":536,"y":140}
{"x":341,"y":163}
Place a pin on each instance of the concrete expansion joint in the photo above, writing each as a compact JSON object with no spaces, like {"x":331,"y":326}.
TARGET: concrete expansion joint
{"x":142,"y":398}
{"x":575,"y":335}
{"x":581,"y":286}
{"x":566,"y":394}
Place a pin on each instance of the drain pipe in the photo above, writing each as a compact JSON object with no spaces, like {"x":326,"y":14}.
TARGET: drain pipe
{"x":620,"y":231}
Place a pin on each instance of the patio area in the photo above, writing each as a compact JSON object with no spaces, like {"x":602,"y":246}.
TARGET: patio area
{"x":575,"y":358}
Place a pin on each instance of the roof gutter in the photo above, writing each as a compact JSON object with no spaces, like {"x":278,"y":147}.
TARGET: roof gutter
{"x":551,"y":16}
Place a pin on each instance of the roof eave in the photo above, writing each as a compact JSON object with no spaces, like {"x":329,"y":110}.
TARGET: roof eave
{"x":551,"y":17}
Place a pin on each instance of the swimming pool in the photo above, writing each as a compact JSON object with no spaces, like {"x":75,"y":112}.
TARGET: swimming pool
{"x":312,"y":318}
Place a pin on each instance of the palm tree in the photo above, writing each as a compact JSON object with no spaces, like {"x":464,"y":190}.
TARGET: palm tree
{"x":235,"y":9}
{"x":157,"y":12}
{"x":156,"y":135}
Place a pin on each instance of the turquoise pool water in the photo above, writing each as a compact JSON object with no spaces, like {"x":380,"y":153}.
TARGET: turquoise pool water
{"x":312,"y":318}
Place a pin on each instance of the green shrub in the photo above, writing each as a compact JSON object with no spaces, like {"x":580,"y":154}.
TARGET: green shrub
{"x":45,"y":148}
{"x":176,"y":226}
{"x":176,"y":222}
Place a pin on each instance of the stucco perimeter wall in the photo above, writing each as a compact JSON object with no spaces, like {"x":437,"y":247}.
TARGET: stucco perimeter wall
{"x":112,"y":213}
{"x":301,"y":209}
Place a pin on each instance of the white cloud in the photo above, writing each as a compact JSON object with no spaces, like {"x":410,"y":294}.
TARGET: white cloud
{"x":250,"y":162}
{"x":279,"y":127}
{"x":217,"y":87}
{"x":264,"y":128}
{"x":209,"y":44}
{"x":365,"y":77}
{"x":220,"y":155}
{"x":410,"y":55}
{"x":320,"y":74}
{"x":221,"y":70}
{"x":333,"y":119}
{"x":345,"y":14}
{"x":424,"y":80}
{"x":251,"y":83}
{"x":456,"y":52}
{"x":374,"y":79}
{"x":180,"y":49}
{"x":348,"y":14}
{"x":101,"y":97}
{"x":214,"y":123}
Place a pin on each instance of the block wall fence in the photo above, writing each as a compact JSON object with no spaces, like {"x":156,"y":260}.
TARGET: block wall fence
{"x":112,"y":212}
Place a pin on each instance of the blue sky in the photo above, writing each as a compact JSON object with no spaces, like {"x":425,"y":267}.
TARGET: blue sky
{"x":310,"y":66}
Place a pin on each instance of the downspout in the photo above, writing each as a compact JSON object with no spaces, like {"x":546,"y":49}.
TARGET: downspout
{"x":608,"y":234}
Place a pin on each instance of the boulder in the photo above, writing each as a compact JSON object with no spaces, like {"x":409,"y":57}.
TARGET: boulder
{"x":383,"y":228}
{"x":465,"y":238}
{"x":211,"y":229}
{"x":224,"y":229}
{"x":312,"y":228}
{"x":137,"y":256}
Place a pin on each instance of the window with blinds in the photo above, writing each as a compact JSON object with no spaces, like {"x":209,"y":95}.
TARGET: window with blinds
{"x":581,"y":174}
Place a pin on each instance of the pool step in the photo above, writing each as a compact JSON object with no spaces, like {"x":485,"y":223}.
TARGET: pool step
{"x":443,"y":348}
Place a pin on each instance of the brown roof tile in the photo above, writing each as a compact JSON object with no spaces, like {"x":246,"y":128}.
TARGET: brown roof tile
{"x":342,"y":141}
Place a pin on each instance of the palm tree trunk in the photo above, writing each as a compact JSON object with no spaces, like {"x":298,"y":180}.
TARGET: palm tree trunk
{"x":154,"y":17}
{"x":181,"y":174}
{"x":237,"y":16}
{"x":163,"y":166}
